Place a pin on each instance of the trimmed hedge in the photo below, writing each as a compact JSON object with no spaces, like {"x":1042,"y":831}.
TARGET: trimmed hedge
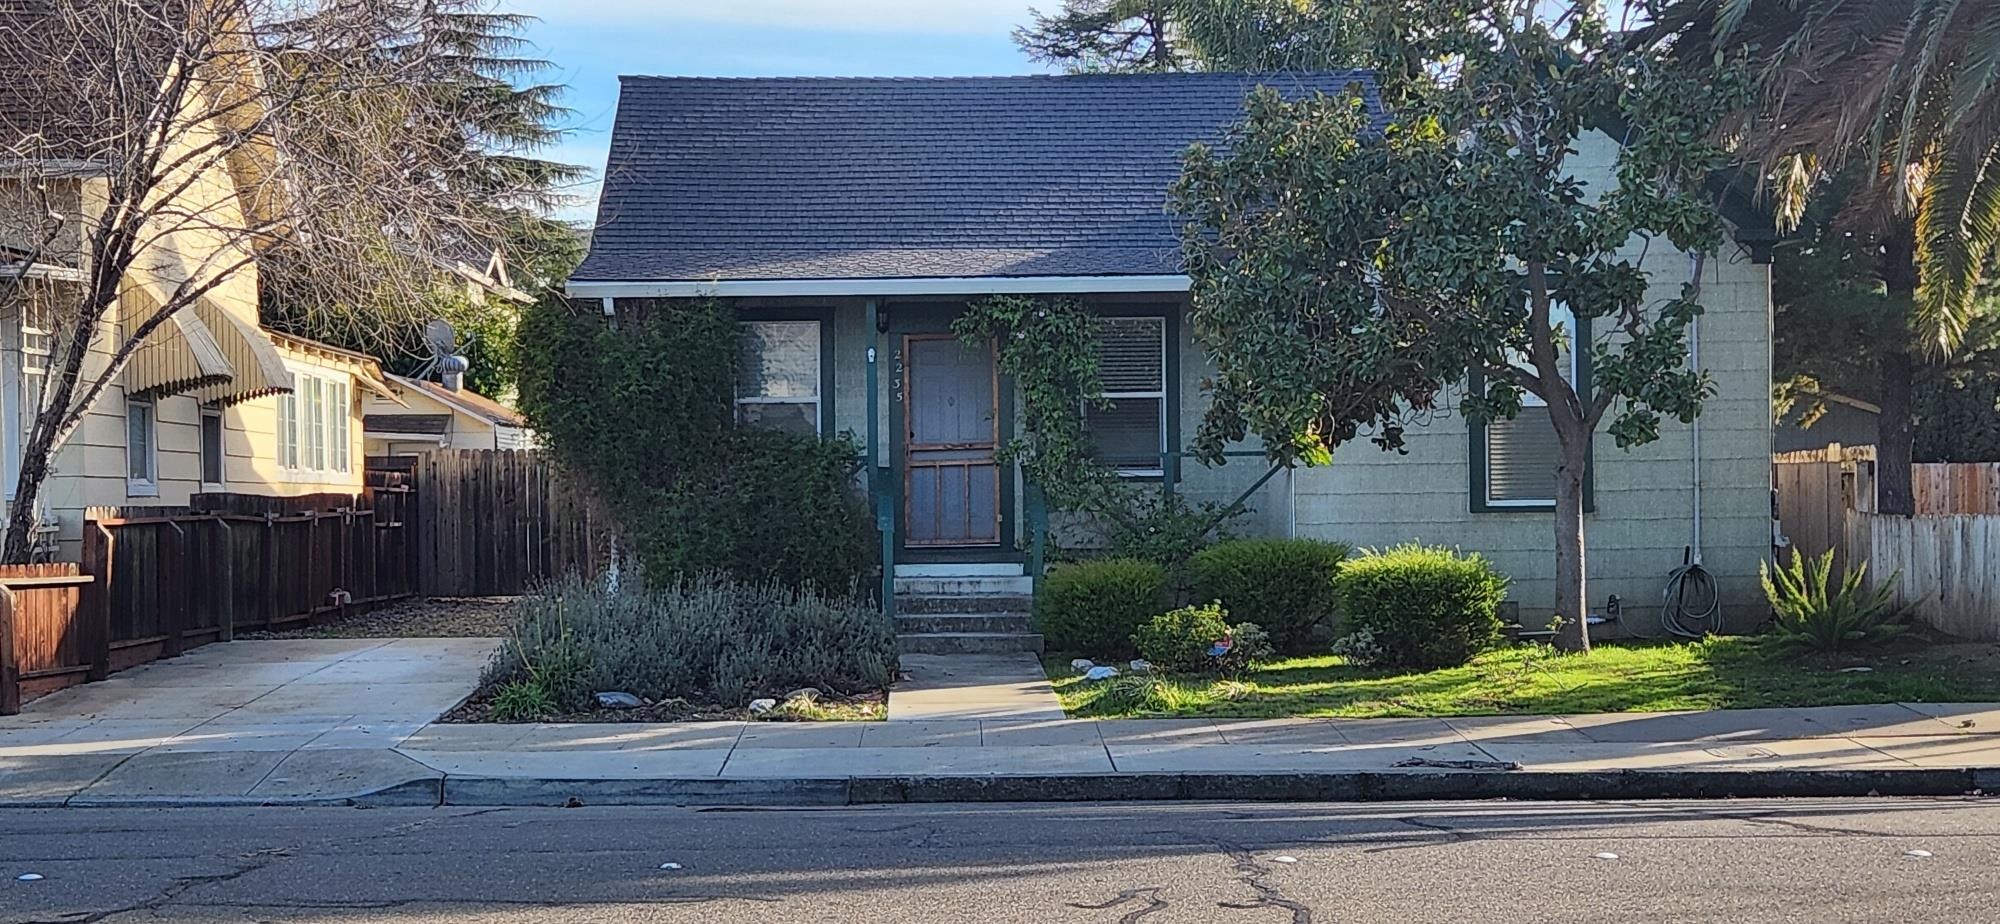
{"x":1284,"y":585}
{"x":1093,"y":607}
{"x":1425,"y":608}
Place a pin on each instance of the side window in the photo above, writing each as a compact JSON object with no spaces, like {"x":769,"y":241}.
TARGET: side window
{"x":141,"y":474}
{"x":288,"y":426}
{"x":778,"y":377}
{"x":1519,"y":456}
{"x":212,"y":466}
{"x":1130,"y":433}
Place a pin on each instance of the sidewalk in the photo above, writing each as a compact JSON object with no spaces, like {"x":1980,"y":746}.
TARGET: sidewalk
{"x":1916,"y":749}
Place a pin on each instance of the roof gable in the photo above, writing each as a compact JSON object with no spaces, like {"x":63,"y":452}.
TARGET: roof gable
{"x":862,"y":178}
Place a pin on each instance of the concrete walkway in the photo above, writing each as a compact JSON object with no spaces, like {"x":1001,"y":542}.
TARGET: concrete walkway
{"x":1008,"y":685}
{"x":1892,"y":749}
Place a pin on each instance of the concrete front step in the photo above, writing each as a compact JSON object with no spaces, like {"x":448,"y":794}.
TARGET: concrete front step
{"x":930,"y":623}
{"x":1009,"y":603}
{"x":969,"y":642}
{"x":965,"y":586}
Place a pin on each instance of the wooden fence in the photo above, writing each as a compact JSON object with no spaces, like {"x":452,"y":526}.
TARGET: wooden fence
{"x":1950,"y":567}
{"x":157,"y":581}
{"x":42,"y":643}
{"x":494,"y":522}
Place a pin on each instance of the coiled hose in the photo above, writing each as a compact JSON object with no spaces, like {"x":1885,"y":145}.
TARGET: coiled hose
{"x":1690,"y":606}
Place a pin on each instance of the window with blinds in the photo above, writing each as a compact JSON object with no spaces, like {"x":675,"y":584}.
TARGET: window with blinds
{"x":1521,"y":454}
{"x":1130,"y":433}
{"x":778,"y":378}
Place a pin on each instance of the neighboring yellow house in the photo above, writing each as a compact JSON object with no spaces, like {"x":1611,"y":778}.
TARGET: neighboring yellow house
{"x":210,"y":401}
{"x":423,"y":415}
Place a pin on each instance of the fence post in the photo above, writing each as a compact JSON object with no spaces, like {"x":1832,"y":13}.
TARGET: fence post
{"x":228,"y":553}
{"x":173,"y":606}
{"x":99,"y":548}
{"x":10,"y":669}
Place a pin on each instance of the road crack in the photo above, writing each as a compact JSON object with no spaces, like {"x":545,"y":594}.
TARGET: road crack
{"x":1256,"y":875}
{"x":1150,"y":895}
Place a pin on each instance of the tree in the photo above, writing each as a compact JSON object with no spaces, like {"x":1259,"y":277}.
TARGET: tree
{"x":1899,"y":95}
{"x":1345,"y":273}
{"x":162,"y":152}
{"x":1259,"y":36}
{"x":462,"y":58}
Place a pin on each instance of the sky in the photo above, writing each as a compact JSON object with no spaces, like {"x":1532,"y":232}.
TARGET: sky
{"x":592,"y":42}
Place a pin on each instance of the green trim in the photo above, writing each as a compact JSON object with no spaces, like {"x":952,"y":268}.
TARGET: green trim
{"x":1476,"y":439}
{"x":828,"y":376}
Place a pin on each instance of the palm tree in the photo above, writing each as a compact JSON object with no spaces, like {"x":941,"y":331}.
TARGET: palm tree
{"x":1901,"y":92}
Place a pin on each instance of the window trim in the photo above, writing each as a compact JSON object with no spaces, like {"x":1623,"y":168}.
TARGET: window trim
{"x":825,"y":318}
{"x":222,"y":447}
{"x":1169,"y":429}
{"x":293,"y":440}
{"x":150,"y":485}
{"x":1480,"y":487}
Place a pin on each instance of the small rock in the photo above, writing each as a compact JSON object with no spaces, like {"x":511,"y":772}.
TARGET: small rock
{"x":29,"y":877}
{"x":618,"y":701}
{"x":1919,"y":854}
{"x":1100,"y":672}
{"x":1141,"y":665}
{"x":1284,"y":859}
{"x":1081,"y":665}
{"x":761,"y":706}
{"x":1607,"y":855}
{"x":803,"y":695}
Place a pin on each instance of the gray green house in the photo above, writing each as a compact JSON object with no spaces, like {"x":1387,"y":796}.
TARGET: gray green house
{"x":850,"y":220}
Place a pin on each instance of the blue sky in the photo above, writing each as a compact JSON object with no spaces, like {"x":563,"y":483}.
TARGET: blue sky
{"x":591,"y":42}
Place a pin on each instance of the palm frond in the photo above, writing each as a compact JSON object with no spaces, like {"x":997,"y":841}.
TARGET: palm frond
{"x":1958,"y":227}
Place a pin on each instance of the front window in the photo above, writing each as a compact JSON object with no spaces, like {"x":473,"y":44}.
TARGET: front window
{"x":314,"y":430}
{"x":778,"y":376}
{"x":141,"y":474}
{"x":211,"y":448}
{"x":1522,"y":453}
{"x":1130,"y":432}
{"x":26,"y":367}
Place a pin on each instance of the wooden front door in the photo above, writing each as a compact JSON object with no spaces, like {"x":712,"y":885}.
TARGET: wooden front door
{"x":951,"y":421}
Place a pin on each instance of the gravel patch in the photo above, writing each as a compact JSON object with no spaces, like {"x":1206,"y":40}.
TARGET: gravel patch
{"x":455,"y":617}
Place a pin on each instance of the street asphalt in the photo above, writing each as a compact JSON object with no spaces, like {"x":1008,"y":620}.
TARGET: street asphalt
{"x":1736,"y":861}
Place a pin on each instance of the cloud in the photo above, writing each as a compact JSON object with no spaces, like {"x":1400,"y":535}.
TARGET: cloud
{"x":916,"y":17}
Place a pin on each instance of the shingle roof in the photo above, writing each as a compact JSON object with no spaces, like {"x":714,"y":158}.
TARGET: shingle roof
{"x":818,"y":178}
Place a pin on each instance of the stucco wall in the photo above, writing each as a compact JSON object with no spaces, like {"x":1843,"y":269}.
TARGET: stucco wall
{"x":1644,"y":497}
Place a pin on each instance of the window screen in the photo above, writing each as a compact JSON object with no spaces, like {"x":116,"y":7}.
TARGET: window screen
{"x":1130,"y":434}
{"x":139,"y":441}
{"x":778,"y":376}
{"x":211,"y":447}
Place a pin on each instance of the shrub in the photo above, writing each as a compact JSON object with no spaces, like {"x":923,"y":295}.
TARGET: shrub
{"x":1811,"y":610}
{"x":1283,"y":585}
{"x":1094,"y":607}
{"x":1422,"y":607}
{"x":1179,"y":640}
{"x":703,"y":639}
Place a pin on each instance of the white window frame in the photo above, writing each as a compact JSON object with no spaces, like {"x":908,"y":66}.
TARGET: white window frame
{"x":1559,"y":315}
{"x":149,"y":485}
{"x":221,"y":447}
{"x":818,"y":400}
{"x":315,"y":429}
{"x":1166,"y":374}
{"x":25,"y":381}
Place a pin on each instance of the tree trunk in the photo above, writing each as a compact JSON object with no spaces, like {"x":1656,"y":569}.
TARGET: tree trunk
{"x":21,"y":521}
{"x":1572,"y":588}
{"x":1895,"y":435}
{"x":1895,"y":427}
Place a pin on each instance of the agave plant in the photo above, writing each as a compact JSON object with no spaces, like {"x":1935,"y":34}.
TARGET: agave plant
{"x":1814,"y":610}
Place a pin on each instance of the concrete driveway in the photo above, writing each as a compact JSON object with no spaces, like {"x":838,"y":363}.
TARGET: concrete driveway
{"x":257,"y":696}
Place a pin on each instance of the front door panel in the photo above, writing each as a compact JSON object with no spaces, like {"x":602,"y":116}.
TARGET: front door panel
{"x":951,"y":478}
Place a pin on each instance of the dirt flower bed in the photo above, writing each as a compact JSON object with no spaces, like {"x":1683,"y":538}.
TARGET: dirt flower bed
{"x":867,"y":707}
{"x":459,"y":617}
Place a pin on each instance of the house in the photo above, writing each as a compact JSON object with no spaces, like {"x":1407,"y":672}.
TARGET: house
{"x":1841,"y":421}
{"x":850,"y":220}
{"x":210,"y":400}
{"x":425,"y":415}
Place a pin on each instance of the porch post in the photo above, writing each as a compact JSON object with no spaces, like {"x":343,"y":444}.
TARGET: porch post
{"x":878,"y":475}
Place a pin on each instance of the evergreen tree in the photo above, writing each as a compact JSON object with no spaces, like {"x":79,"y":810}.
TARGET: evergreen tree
{"x":1136,"y":36}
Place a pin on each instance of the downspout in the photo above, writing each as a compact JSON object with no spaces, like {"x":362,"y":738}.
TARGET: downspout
{"x":1691,"y":604}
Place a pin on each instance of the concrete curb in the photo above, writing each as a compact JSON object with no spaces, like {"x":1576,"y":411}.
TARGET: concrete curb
{"x":1355,"y":786}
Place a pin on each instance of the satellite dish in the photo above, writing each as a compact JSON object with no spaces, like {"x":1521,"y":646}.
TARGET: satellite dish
{"x":441,"y":337}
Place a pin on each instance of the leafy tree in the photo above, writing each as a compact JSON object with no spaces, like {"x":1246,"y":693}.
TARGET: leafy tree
{"x":1899,"y":98}
{"x":1346,"y":273}
{"x":1125,"y":36}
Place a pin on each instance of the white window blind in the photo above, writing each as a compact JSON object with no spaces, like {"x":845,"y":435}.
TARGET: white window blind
{"x":288,"y":428}
{"x":337,"y":414}
{"x":1521,"y":454}
{"x":778,"y":376}
{"x":1130,"y":434}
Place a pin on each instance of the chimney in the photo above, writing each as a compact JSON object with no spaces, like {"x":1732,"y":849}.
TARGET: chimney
{"x":453,"y":381}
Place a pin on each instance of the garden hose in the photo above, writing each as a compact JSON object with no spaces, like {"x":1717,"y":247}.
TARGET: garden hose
{"x":1691,"y":607}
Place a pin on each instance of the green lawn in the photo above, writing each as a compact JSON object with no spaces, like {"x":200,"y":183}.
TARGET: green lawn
{"x":1721,"y":673}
